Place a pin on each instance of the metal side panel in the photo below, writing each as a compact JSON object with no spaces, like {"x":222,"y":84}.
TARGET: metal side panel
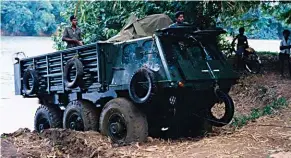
{"x":163,"y":59}
{"x":17,"y":79}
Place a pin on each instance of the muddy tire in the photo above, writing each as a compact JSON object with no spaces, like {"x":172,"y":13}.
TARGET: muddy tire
{"x":47,"y":116}
{"x":229,"y":110}
{"x":123,"y":122}
{"x":78,"y":80}
{"x":81,"y":115}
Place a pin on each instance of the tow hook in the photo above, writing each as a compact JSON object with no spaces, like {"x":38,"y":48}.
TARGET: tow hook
{"x":216,"y":89}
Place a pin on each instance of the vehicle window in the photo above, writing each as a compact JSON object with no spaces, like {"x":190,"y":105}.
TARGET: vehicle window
{"x":129,"y":52}
{"x":186,"y":49}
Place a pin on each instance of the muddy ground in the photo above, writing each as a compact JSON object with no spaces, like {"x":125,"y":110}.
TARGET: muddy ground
{"x":267,"y":136}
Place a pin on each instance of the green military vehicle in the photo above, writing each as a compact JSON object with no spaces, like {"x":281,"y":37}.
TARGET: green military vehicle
{"x":129,"y":88}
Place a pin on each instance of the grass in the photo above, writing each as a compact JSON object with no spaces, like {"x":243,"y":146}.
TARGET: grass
{"x":267,"y":53}
{"x":240,"y":121}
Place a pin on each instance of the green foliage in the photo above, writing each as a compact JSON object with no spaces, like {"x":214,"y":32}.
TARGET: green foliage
{"x":267,"y":53}
{"x":281,"y":10}
{"x":101,"y":20}
{"x":58,"y":43}
{"x":256,"y":113}
{"x":104,"y":19}
{"x":30,"y":17}
{"x":258,"y":24}
{"x":223,"y":44}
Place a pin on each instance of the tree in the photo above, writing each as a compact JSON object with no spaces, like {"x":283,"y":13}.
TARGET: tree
{"x":30,"y":17}
{"x":103,"y":19}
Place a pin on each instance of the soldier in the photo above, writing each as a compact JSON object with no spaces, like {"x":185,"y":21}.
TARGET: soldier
{"x":72,"y":34}
{"x":242,"y":44}
{"x":179,"y":17}
{"x":285,"y":46}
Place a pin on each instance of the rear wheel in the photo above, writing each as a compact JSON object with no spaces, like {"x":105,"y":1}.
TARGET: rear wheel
{"x":123,"y":122}
{"x":81,"y":115}
{"x":47,"y":116}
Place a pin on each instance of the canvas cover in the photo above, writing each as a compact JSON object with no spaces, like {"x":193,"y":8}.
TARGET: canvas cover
{"x":136,"y":28}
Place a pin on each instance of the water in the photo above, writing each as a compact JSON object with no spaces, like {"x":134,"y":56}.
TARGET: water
{"x":15,"y":111}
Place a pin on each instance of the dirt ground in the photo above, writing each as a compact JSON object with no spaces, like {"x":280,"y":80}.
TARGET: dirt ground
{"x":268,"y":136}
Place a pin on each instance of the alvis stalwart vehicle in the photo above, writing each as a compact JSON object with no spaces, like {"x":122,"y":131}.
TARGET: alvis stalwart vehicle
{"x":127,"y":89}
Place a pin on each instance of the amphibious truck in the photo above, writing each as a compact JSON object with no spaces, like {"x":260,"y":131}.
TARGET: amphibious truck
{"x":126,"y":89}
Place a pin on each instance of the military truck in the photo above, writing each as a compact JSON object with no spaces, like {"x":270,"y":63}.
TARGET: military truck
{"x":125,"y":89}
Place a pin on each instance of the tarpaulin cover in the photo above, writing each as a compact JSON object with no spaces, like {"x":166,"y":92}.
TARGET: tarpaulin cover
{"x":137,"y":28}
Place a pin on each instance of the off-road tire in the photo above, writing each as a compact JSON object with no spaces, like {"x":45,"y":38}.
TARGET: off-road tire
{"x":86,"y":110}
{"x":229,"y":111}
{"x":52,"y":114}
{"x":26,"y":87}
{"x":152,"y":89}
{"x":135,"y":121}
{"x":78,"y":81}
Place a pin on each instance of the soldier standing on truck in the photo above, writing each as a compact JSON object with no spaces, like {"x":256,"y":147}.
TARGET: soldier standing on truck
{"x":179,"y":17}
{"x":72,"y":34}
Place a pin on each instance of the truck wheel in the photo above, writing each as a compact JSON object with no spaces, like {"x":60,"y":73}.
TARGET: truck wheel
{"x":123,"y":122}
{"x":81,"y":115}
{"x":73,"y":73}
{"x":47,"y":116}
{"x":224,"y":101}
{"x":142,"y":86}
{"x":30,"y":82}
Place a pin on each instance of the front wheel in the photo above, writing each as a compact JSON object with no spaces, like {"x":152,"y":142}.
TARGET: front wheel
{"x":123,"y":122}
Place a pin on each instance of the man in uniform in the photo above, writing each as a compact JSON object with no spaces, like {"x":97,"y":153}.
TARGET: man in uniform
{"x":179,"y":17}
{"x":72,"y":34}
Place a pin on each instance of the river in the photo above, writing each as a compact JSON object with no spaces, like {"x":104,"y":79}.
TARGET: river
{"x":15,"y":111}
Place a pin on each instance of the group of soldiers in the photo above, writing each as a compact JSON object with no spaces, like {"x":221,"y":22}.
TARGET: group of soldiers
{"x":72,"y":36}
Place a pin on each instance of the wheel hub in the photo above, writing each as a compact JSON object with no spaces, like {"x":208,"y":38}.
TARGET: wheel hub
{"x":41,"y":127}
{"x":73,"y":125}
{"x":75,"y":122}
{"x":115,"y":128}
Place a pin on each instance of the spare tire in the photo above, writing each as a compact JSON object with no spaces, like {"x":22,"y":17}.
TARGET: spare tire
{"x":142,"y":87}
{"x":228,"y":113}
{"x":30,"y":82}
{"x":77,"y":81}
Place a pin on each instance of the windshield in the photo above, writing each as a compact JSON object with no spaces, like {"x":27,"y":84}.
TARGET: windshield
{"x":187,"y":49}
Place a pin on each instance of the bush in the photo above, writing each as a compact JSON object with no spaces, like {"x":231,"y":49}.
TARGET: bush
{"x":241,"y":120}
